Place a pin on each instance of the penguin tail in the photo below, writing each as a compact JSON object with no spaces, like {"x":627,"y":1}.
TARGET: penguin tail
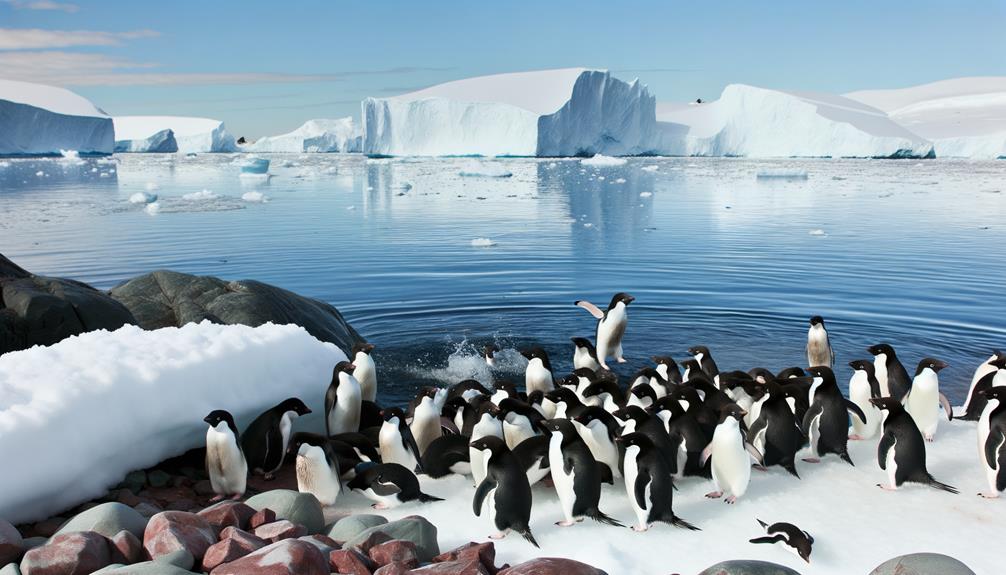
{"x":762,"y":523}
{"x":525,"y":532}
{"x":930,"y":481}
{"x":845,"y":457}
{"x":424,"y":498}
{"x":679,"y":522}
{"x":791,"y":468}
{"x":600,"y":517}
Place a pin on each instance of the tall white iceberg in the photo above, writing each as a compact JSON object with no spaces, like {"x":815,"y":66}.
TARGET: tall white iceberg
{"x":162,"y":142}
{"x":569,"y":112}
{"x":761,"y":123}
{"x":964,"y":117}
{"x":192,"y":135}
{"x":36,"y":119}
{"x":320,"y":135}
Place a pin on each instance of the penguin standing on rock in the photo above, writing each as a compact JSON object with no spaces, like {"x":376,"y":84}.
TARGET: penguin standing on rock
{"x":891,"y":374}
{"x":992,"y":441}
{"x":225,"y":461}
{"x":818,"y":345}
{"x":902,"y":451}
{"x":648,"y":483}
{"x":343,"y":400}
{"x":584,"y":354}
{"x":611,"y":325}
{"x":924,"y":399}
{"x":266,"y":440}
{"x":538,"y":374}
{"x":863,"y":386}
{"x":366,"y":371}
{"x":826,"y":423}
{"x":505,"y":491}
{"x":395,"y":440}
{"x":576,"y":475}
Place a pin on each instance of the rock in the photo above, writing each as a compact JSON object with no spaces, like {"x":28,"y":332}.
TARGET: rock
{"x":351,"y":562}
{"x":261,"y":518}
{"x":125,"y":548}
{"x":48,"y":527}
{"x":147,"y":510}
{"x":459,"y":567}
{"x":107,"y":519}
{"x":203,"y":487}
{"x":11,"y":543}
{"x":280,"y":530}
{"x":227,"y":514}
{"x":158,"y":478}
{"x":351,"y":526}
{"x":553,"y":566}
{"x":484,"y":553}
{"x":324,"y":543}
{"x":396,"y":551}
{"x":174,"y":530}
{"x":747,"y":567}
{"x":135,"y":480}
{"x":183,"y":505}
{"x":293,"y":506}
{"x":171,"y":299}
{"x":127,"y":497}
{"x":147,"y":568}
{"x":75,"y":553}
{"x":179,"y":558}
{"x":395,"y":568}
{"x":922,"y":564}
{"x":287,"y":557}
{"x":10,"y":569}
{"x":230,"y":549}
{"x":33,"y":542}
{"x":413,"y":528}
{"x":372,"y":540}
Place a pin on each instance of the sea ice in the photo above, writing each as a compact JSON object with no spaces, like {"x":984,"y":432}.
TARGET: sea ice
{"x":320,"y":135}
{"x":199,"y":196}
{"x":485,"y":170}
{"x":254,"y":197}
{"x":784,"y":173}
{"x":483,"y":243}
{"x":603,"y":161}
{"x":142,"y":198}
{"x":153,"y":208}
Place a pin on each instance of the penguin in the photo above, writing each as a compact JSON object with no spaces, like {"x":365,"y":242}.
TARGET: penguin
{"x":225,"y":461}
{"x":637,"y":420}
{"x":538,"y":374}
{"x":738,"y":386}
{"x":705,"y":359}
{"x":776,"y":433}
{"x":706,"y":416}
{"x":489,"y":354}
{"x":486,"y":422}
{"x":267,"y":438}
{"x":318,"y":472}
{"x":863,"y":386}
{"x":505,"y":492}
{"x":990,"y":374}
{"x":642,"y":396}
{"x":520,"y":421}
{"x":467,"y":389}
{"x":818,"y":345}
{"x":447,"y":454}
{"x":611,"y":325}
{"x":343,"y":400}
{"x":598,"y":429}
{"x":791,"y":372}
{"x":902,"y":451}
{"x":350,"y":449}
{"x":533,"y":456}
{"x":667,"y":368}
{"x":731,"y":456}
{"x":648,"y":484}
{"x":604,"y":393}
{"x":503,"y":390}
{"x":992,"y":441}
{"x":370,"y":415}
{"x":389,"y":485}
{"x":687,"y":438}
{"x":651,"y":376}
{"x":575,"y":474}
{"x":395,"y":440}
{"x":892,"y":376}
{"x":425,"y":424}
{"x":584,"y":354}
{"x":454,"y":410}
{"x":924,"y":399}
{"x":566,"y":403}
{"x":791,"y":537}
{"x":366,"y":371}
{"x":826,"y":423}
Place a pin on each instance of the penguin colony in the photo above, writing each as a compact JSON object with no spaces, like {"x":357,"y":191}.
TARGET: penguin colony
{"x":583,"y":429}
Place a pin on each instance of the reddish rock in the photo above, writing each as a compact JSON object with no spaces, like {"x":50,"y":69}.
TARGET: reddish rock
{"x":485,"y":553}
{"x":350,"y":562}
{"x":125,"y":548}
{"x":11,"y":543}
{"x":395,"y":568}
{"x":244,"y":537}
{"x":234,"y":544}
{"x":287,"y":557}
{"x":471,"y":566}
{"x":227,"y":514}
{"x":173,"y":530}
{"x":372,"y":540}
{"x":323,"y":540}
{"x":49,"y":527}
{"x":127,"y":497}
{"x":552,"y":566}
{"x":77,"y":553}
{"x":261,"y":518}
{"x":280,"y":530}
{"x":395,"y":551}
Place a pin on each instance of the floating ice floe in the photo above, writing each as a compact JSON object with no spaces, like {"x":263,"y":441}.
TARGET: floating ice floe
{"x":153,"y":208}
{"x":200,"y":196}
{"x":483,"y":243}
{"x":645,"y":194}
{"x":817,"y":232}
{"x":650,"y":168}
{"x":603,"y":161}
{"x":142,"y":198}
{"x":254,"y":197}
{"x":485,"y":170}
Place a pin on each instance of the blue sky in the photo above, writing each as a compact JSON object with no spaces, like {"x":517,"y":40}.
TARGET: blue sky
{"x":265,"y":67}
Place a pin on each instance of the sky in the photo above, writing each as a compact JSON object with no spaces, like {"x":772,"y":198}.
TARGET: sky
{"x":266,"y":67}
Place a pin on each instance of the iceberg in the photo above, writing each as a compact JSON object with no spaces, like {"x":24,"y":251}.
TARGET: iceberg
{"x":162,"y":142}
{"x":568,"y":112}
{"x":964,"y":117}
{"x":314,"y":136}
{"x":762,"y":123}
{"x":192,"y":135}
{"x":40,"y":120}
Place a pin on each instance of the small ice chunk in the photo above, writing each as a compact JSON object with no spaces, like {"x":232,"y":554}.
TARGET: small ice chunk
{"x":351,"y":208}
{"x":588,"y":225}
{"x":255,"y":197}
{"x":483,"y":243}
{"x":817,"y":232}
{"x":402,"y":186}
{"x":142,"y":198}
{"x":40,"y":173}
{"x":783,"y":173}
{"x":603,"y":161}
{"x":153,"y":208}
{"x":645,"y":194}
{"x":601,"y":178}
{"x":484,"y":170}
{"x":650,"y":168}
{"x":199,"y":196}
{"x":151,"y":186}
{"x":620,"y":181}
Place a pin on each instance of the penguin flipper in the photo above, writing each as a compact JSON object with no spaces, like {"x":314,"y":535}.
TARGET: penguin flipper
{"x":946,"y":407}
{"x":856,"y":410}
{"x":992,"y":443}
{"x":768,"y":539}
{"x":814,"y":411}
{"x":885,"y":445}
{"x":760,"y":425}
{"x":487,"y":485}
{"x":753,"y":451}
{"x":411,"y":445}
{"x":706,"y":454}
{"x":593,"y":309}
{"x":639,"y":489}
{"x":762,"y":523}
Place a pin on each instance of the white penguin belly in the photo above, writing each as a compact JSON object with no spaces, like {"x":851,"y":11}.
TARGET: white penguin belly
{"x":731,"y":465}
{"x":923,"y":403}
{"x":392,"y":449}
{"x":345,"y":417}
{"x":860,"y":394}
{"x":595,"y":435}
{"x":880,"y":371}
{"x":563,"y":482}
{"x":315,"y":477}
{"x":631,"y":473}
{"x":387,"y":501}
{"x":425,"y":425}
{"x":984,"y":427}
{"x":609,"y":333}
{"x":892,"y":466}
{"x":366,"y":374}
{"x":583,"y":360}
{"x":227,"y":467}
{"x":516,"y":429}
{"x":537,"y":378}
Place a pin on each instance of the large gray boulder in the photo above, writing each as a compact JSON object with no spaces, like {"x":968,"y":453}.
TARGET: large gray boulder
{"x":295,"y":507}
{"x":349,"y":527}
{"x":414,"y":528}
{"x":166,"y":298}
{"x":107,"y":519}
{"x":922,"y":564}
{"x":748,"y":567}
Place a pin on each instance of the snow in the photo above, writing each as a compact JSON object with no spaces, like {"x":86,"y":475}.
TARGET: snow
{"x":650,"y":168}
{"x":600,"y":160}
{"x":483,"y":243}
{"x":254,"y":197}
{"x":204,"y":195}
{"x":565,"y":112}
{"x":77,"y":416}
{"x":484,"y":170}
{"x":964,"y":117}
{"x":142,"y":198}
{"x":763,"y":123}
{"x":313,"y":136}
{"x":42,"y":120}
{"x":192,"y":135}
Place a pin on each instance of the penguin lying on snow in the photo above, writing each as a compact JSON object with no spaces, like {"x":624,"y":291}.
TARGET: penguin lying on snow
{"x":902,"y":451}
{"x":225,"y":461}
{"x":266,"y":440}
{"x":505,"y":491}
{"x":610,"y":326}
{"x":390,"y":485}
{"x":791,"y":537}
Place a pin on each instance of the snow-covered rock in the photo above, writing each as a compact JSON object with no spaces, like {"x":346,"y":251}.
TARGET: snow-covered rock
{"x":76,"y":416}
{"x":761,"y":123}
{"x":162,"y":142}
{"x":314,"y":136}
{"x":36,"y":119}
{"x":192,"y":135}
{"x":568,"y":112}
{"x":964,"y":117}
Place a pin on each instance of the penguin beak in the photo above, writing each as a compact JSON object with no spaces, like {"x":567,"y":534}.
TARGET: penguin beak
{"x":629,"y":299}
{"x":940,"y":365}
{"x":526,"y":354}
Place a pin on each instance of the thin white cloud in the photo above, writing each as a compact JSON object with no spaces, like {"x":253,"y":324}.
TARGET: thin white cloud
{"x":36,"y":38}
{"x":43,"y":5}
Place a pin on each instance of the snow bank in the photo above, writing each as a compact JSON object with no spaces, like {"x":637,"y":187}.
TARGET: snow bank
{"x":314,"y":136}
{"x":964,"y":117}
{"x":42,"y":120}
{"x":162,"y":142}
{"x":762,"y":123}
{"x":77,"y":416}
{"x":192,"y":135}
{"x":566,"y":112}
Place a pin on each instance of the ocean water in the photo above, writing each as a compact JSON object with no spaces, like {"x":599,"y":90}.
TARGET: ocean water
{"x":430,"y":265}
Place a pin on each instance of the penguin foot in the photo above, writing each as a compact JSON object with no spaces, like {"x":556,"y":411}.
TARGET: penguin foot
{"x":856,"y":437}
{"x":930,"y":438}
{"x":886,"y":487}
{"x":620,"y":359}
{"x":565,"y":523}
{"x":812,"y":459}
{"x":993,"y":495}
{"x":731,"y":500}
{"x":380,"y":506}
{"x":640,"y":528}
{"x":237,"y":496}
{"x":714,"y":494}
{"x":216,"y":498}
{"x":759,"y":468}
{"x":499,"y":535}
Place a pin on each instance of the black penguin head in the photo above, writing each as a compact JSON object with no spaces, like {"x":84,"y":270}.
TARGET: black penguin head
{"x":789,"y":372}
{"x":734,"y":379}
{"x":363,"y":348}
{"x":489,"y":443}
{"x":997,"y":392}
{"x":817,"y":320}
{"x":887,"y":404}
{"x":489,"y":350}
{"x":486,"y":406}
{"x":452,"y":406}
{"x":933,"y":364}
{"x":863,"y":365}
{"x":295,"y":405}
{"x":692,"y":366}
{"x":696,"y":350}
{"x":535,"y":397}
{"x":633,"y":412}
{"x":218,"y":415}
{"x":1000,"y":361}
{"x":760,"y":374}
{"x":638,"y":439}
{"x":644,"y":390}
{"x":585,"y":373}
{"x":582,"y":342}
{"x":390,"y":413}
{"x":597,"y":388}
{"x":881,"y":348}
{"x":732,"y":410}
{"x":343,"y":366}
{"x":664,"y":360}
{"x":821,"y":371}
{"x":537,"y":352}
{"x":561,"y":394}
{"x":427,"y":391}
{"x":561,"y":426}
{"x":620,"y":297}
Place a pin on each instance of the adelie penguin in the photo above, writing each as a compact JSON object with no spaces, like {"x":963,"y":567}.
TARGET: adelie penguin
{"x":538,"y":374}
{"x":425,"y":424}
{"x":343,"y":400}
{"x":792,"y":538}
{"x":505,"y":492}
{"x":648,"y":483}
{"x":575,"y":474}
{"x":667,"y":368}
{"x":731,"y":456}
{"x":924,"y":399}
{"x":266,"y":440}
{"x":520,"y":421}
{"x":366,"y":371}
{"x":389,"y":485}
{"x":611,"y":325}
{"x":892,"y":376}
{"x":486,"y":423}
{"x":584,"y":354}
{"x":447,"y":454}
{"x":225,"y":461}
{"x":489,"y":354}
{"x":990,"y":374}
{"x":706,"y":362}
{"x":776,"y":433}
{"x":318,"y":472}
{"x":992,"y":440}
{"x":863,"y":386}
{"x":902,"y":451}
{"x":818,"y":345}
{"x":687,"y":439}
{"x":826,"y":423}
{"x":598,"y":429}
{"x":395,"y":441}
